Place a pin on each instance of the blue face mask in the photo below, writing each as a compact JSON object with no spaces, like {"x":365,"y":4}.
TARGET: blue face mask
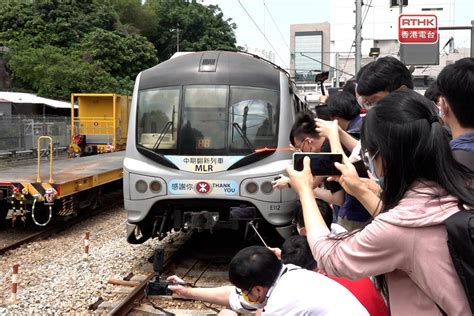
{"x":370,"y":164}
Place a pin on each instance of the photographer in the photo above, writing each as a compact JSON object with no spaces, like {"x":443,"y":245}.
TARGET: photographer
{"x":295,"y":250}
{"x":261,"y":281}
{"x":456,"y":87}
{"x":405,"y":245}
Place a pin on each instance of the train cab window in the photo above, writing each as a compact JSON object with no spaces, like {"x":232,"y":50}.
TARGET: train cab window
{"x":158,"y":113}
{"x":204,"y":120}
{"x":254,"y":119}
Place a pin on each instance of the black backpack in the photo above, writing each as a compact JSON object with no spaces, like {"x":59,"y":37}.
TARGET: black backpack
{"x":460,"y":228}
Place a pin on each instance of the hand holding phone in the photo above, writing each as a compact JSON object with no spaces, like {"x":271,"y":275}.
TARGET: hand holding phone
{"x":322,"y":164}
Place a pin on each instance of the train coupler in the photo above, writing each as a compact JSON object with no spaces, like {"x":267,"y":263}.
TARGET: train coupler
{"x":201,"y":221}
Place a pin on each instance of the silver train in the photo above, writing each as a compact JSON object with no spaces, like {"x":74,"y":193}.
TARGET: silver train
{"x":208,"y":132}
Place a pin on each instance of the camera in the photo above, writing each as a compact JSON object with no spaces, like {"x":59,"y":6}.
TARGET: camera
{"x":156,"y":286}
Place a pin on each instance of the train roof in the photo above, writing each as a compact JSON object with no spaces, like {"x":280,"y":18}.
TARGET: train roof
{"x":213,"y":67}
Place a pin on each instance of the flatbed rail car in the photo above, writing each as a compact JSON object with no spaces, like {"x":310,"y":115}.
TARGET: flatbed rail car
{"x":208,"y":132}
{"x":58,"y":188}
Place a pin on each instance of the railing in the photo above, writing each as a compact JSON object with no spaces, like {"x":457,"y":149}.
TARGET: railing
{"x":97,"y":127}
{"x":38,"y":177}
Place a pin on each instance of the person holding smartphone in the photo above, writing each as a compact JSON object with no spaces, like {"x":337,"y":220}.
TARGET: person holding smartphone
{"x":303,"y":138}
{"x":344,"y":108}
{"x":405,"y":245}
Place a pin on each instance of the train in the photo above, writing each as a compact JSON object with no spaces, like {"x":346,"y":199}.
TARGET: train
{"x":46,"y":190}
{"x":208,"y":133}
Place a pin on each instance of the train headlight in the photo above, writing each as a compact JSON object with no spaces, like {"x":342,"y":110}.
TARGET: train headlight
{"x":266,"y":187}
{"x":141,"y":186}
{"x":155,"y":186}
{"x":251,"y":187}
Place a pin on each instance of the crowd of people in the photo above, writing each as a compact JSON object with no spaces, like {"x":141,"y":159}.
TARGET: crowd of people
{"x":372,"y":240}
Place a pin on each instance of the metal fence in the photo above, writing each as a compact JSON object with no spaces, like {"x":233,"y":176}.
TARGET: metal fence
{"x":20,"y":133}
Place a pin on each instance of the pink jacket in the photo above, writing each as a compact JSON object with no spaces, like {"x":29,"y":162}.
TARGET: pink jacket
{"x":408,"y":245}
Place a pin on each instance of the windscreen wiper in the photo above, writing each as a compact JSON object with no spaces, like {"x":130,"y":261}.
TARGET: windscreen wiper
{"x":162,"y":134}
{"x":244,"y":137}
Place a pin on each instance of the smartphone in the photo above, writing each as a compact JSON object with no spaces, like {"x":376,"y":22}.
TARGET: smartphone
{"x":322,"y":164}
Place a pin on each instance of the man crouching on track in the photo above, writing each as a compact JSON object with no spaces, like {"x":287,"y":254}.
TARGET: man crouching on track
{"x":261,"y":281}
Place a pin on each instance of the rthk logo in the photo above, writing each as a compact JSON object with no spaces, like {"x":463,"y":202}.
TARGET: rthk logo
{"x":417,"y":28}
{"x":203,"y":187}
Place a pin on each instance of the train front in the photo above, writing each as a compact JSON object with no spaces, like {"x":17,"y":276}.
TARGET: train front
{"x":208,"y":133}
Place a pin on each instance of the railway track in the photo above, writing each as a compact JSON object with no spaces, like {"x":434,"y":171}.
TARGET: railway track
{"x":110,"y":201}
{"x":200,"y":260}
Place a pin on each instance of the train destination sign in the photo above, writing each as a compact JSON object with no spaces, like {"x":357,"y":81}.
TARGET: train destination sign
{"x":203,"y":164}
{"x":418,"y":28}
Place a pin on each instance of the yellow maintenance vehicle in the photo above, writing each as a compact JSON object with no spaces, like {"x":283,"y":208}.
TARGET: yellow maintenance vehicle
{"x":100,"y":125}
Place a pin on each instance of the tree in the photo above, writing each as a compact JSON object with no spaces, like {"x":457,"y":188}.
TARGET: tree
{"x":56,"y":72}
{"x":59,"y":47}
{"x":103,"y":62}
{"x":53,"y":22}
{"x":199,"y":27}
{"x":122,"y":55}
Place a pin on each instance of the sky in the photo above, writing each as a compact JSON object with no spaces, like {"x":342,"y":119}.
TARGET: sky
{"x":274,"y":17}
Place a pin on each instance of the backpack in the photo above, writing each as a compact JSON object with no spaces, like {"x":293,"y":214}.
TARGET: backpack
{"x":460,"y":228}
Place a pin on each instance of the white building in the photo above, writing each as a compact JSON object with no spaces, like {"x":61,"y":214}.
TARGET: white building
{"x":264,"y":53}
{"x":380,"y":30}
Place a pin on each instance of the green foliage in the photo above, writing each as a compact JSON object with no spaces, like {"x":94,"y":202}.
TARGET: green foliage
{"x":56,"y":72}
{"x":119,"y":54}
{"x":54,"y":22}
{"x":58,"y":47}
{"x":199,"y":27}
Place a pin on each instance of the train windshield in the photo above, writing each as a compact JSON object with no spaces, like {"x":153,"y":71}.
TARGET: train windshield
{"x":208,"y":119}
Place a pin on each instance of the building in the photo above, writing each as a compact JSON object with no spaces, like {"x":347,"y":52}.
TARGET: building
{"x":18,"y":103}
{"x":380,"y":30}
{"x":264,"y":53}
{"x":310,"y":50}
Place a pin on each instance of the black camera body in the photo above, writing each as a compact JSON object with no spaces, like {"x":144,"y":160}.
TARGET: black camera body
{"x":156,"y":286}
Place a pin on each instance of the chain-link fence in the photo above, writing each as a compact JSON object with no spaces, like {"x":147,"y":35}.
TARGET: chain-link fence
{"x":20,"y":133}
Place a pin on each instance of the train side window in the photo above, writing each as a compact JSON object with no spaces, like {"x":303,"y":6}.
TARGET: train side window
{"x":297,"y":104}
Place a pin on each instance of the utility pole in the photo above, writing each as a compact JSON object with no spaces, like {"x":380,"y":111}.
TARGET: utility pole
{"x":177,"y":38}
{"x":358,"y":39}
{"x":337,"y":70}
{"x":472,"y":38}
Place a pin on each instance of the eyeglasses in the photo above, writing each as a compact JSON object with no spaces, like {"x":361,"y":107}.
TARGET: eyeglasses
{"x":367,"y":158}
{"x":300,"y":148}
{"x":367,"y":101}
{"x":364,"y":103}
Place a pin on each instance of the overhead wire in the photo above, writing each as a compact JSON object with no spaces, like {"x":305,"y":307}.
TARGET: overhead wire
{"x":358,"y":31}
{"x":263,"y":34}
{"x":327,"y":65}
{"x":276,"y":26}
